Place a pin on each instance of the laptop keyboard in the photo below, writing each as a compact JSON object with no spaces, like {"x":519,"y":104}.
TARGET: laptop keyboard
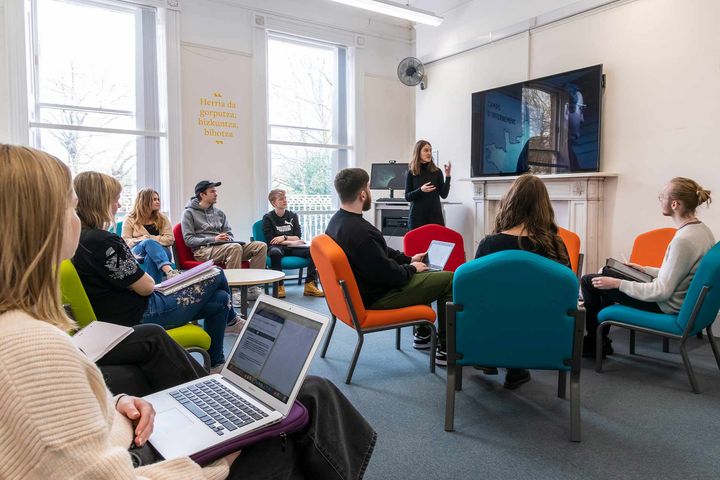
{"x":218,"y":407}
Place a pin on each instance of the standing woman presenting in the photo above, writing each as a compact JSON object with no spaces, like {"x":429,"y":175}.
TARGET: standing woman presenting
{"x":425,"y":186}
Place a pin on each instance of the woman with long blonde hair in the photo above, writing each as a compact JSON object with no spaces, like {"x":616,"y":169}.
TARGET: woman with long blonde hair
{"x":149,"y":235}
{"x":59,"y":419}
{"x":525,"y":221}
{"x":121,"y":292}
{"x":425,"y":186}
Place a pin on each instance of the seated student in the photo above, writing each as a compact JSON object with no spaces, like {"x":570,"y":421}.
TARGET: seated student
{"x":149,"y":235}
{"x":665,"y":294}
{"x":60,"y":420}
{"x":386,"y":278}
{"x":282,"y":233}
{"x":525,"y":221}
{"x":206,"y":230}
{"x":120,"y":291}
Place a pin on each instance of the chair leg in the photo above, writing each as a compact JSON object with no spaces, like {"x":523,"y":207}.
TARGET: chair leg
{"x":699,"y":335}
{"x":358,"y":347}
{"x":203,"y":353}
{"x":433,"y":347}
{"x":458,"y":377}
{"x":688,"y":368}
{"x":598,"y":351}
{"x":575,"y":434}
{"x":666,"y":345}
{"x":300,"y":275}
{"x":397,"y":338}
{"x":632,"y":342}
{"x":329,"y":334}
{"x":562,"y":383}
{"x":713,"y":345}
{"x":450,"y":400}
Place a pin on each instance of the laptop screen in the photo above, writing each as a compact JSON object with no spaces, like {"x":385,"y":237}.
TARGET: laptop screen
{"x":273,"y":349}
{"x":439,"y":253}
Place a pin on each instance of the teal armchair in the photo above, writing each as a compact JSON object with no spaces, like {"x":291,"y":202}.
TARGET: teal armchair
{"x":698,"y":312}
{"x":515,"y":309}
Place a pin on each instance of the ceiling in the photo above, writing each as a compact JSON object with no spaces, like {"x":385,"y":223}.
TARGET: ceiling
{"x":438,"y":7}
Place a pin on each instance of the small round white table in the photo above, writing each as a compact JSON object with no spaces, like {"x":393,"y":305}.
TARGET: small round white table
{"x":245,"y":277}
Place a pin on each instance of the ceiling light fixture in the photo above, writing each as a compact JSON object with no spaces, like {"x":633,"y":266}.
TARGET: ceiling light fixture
{"x":395,"y":10}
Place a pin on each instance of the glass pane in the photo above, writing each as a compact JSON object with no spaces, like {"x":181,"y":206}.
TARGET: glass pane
{"x":86,"y":54}
{"x":109,"y":153}
{"x":71,"y":116}
{"x":302,"y":84}
{"x":304,"y":135}
{"x":306,"y":175}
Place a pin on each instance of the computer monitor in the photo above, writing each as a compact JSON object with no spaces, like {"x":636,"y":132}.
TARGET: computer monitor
{"x":388,"y":176}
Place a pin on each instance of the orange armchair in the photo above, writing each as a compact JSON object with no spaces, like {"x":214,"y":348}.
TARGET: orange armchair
{"x":572,"y":243}
{"x":649,"y":247}
{"x":344,"y":302}
{"x":418,"y":240}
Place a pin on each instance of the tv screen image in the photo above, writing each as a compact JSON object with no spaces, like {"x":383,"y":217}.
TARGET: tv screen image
{"x":388,"y":176}
{"x":547,"y":125}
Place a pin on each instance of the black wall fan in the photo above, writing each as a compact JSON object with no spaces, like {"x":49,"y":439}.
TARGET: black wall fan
{"x":411,"y":72}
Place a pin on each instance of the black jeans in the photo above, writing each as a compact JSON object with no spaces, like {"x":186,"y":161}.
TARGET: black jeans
{"x":277,"y":252}
{"x":147,"y":361}
{"x":336,"y":445}
{"x":596,"y":299}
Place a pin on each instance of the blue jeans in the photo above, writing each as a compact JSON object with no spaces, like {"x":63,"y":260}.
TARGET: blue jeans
{"x":154,"y":256}
{"x":208,"y":300}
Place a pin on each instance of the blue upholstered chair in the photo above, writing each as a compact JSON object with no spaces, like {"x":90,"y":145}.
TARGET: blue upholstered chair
{"x":515,"y":309}
{"x":289,"y":262}
{"x":698,"y":311}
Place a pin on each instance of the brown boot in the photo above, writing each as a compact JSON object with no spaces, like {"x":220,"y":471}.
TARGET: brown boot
{"x":281,"y":291}
{"x":311,"y":290}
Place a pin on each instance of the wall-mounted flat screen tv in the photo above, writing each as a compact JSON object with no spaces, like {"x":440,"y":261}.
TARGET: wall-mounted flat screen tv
{"x":547,"y":125}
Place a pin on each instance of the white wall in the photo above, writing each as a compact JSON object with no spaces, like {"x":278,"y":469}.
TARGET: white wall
{"x":383,"y":113}
{"x":660,"y":104}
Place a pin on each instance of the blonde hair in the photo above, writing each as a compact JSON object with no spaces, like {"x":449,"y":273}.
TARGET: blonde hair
{"x":35,"y":182}
{"x":415,"y":162}
{"x":275,"y":193}
{"x":96,"y":193}
{"x":143,"y":212}
{"x":689,"y":193}
{"x":527,"y":203}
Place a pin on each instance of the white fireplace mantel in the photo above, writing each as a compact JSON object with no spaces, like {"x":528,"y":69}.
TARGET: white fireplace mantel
{"x":577,"y":199}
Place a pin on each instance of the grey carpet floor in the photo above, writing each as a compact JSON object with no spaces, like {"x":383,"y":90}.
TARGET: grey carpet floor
{"x":640,"y":419}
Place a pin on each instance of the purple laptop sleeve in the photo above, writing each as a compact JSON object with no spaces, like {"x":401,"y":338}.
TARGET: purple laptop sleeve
{"x":296,"y":419}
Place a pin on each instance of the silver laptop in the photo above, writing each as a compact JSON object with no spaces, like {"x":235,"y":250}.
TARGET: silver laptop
{"x":438,"y":254}
{"x":256,"y":387}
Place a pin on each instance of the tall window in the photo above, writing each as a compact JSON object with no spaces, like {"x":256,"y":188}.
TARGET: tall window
{"x":94,"y":88}
{"x":307,"y":131}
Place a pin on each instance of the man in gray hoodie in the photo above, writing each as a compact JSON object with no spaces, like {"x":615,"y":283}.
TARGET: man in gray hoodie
{"x":206,"y":230}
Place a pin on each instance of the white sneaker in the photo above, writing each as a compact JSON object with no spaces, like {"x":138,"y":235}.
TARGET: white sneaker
{"x":255,"y":292}
{"x":236,"y":301}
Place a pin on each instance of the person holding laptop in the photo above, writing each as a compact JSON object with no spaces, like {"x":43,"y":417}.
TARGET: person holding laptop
{"x":120,"y":291}
{"x":283,"y":233}
{"x":386,"y":278}
{"x":525,"y":221}
{"x":59,"y":419}
{"x":207,"y":232}
{"x":424,"y":186}
{"x":679,"y":199}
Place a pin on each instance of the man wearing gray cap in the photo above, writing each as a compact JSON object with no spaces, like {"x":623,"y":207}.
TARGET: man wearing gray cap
{"x":207,"y":232}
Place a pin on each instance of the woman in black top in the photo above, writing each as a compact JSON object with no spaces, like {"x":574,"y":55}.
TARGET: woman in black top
{"x":525,"y":221}
{"x":120,"y":291}
{"x":424,"y":186}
